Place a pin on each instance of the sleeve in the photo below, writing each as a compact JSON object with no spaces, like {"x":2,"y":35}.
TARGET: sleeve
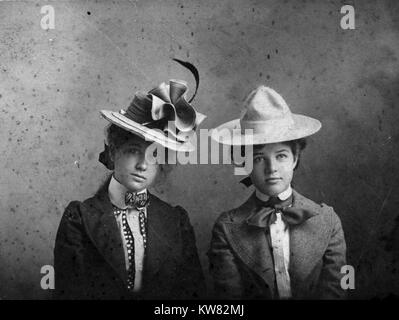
{"x":333,"y":260}
{"x":192,"y":284}
{"x":69,"y":255}
{"x":223,"y":266}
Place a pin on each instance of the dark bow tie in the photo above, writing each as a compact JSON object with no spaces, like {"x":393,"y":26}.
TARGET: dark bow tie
{"x":265,"y":213}
{"x":136,"y":200}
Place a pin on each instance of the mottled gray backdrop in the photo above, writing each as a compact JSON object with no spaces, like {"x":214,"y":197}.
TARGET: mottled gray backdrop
{"x":53,"y":84}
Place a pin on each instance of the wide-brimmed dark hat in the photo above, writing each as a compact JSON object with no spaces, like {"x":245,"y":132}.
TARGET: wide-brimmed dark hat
{"x":163,"y":115}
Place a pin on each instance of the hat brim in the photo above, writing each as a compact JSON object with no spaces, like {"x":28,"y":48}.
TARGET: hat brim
{"x":230,"y":132}
{"x":146,"y":133}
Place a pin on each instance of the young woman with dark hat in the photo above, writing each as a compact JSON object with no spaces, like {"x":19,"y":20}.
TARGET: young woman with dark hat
{"x":124,"y":242}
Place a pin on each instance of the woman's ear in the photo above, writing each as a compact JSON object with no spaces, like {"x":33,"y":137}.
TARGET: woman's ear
{"x":296,"y":160}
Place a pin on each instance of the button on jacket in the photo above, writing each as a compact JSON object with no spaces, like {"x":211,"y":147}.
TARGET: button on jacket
{"x":241,"y":260}
{"x":90,"y":260}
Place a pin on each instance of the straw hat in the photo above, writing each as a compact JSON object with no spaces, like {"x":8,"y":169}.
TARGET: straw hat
{"x":265,"y":119}
{"x":162,"y":115}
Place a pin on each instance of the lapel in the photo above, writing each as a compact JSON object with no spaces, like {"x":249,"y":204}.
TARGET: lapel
{"x":103,"y":230}
{"x":307,"y":242}
{"x":250,"y":243}
{"x":161,"y":237}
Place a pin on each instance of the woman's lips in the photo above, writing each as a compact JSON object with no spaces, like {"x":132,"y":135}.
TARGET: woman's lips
{"x":272,"y":180}
{"x":138,"y":177}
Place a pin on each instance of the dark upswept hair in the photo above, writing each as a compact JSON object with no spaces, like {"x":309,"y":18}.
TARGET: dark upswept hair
{"x":296,"y":146}
{"x":117,"y":137}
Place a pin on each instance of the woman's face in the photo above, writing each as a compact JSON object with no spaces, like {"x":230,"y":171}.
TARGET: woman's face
{"x":273,"y":168}
{"x":131,"y":168}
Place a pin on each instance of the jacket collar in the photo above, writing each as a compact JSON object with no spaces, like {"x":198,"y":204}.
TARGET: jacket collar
{"x":103,"y":230}
{"x":251,"y":245}
{"x":282,"y":196}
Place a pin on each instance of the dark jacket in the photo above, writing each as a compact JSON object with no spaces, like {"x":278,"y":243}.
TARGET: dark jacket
{"x":89,"y":257}
{"x":241,"y":261}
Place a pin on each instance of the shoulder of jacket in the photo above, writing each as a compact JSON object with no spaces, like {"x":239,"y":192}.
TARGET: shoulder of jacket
{"x":73,"y":210}
{"x":328,"y":215}
{"x":326,"y":208}
{"x":166,"y":208}
{"x":237,"y":214}
{"x":320,"y":208}
{"x":330,"y":212}
{"x":229,"y":216}
{"x":87,"y":206}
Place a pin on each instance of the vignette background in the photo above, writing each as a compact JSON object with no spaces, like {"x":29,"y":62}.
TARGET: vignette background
{"x":53,"y":84}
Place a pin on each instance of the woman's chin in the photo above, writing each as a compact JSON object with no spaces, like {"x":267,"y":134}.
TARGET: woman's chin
{"x":136,"y":186}
{"x":271,"y":191}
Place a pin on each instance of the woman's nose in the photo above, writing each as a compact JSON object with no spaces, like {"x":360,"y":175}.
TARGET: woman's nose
{"x":142,"y":164}
{"x":270,"y":166}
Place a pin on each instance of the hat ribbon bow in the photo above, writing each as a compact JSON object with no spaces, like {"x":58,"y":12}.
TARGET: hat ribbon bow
{"x":170,"y":111}
{"x":169,"y":104}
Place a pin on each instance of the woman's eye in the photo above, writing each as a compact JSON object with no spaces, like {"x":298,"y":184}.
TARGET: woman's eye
{"x":281,"y":156}
{"x":133,"y":151}
{"x":258,"y":159}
